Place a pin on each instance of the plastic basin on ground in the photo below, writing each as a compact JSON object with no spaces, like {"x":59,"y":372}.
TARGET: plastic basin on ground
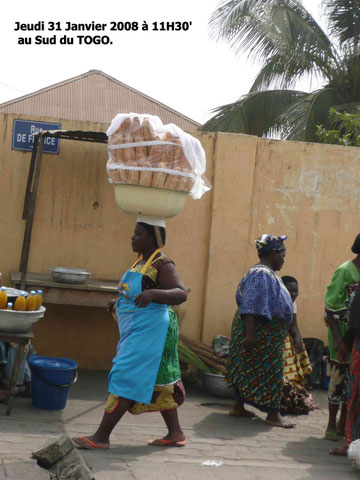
{"x":217,"y":386}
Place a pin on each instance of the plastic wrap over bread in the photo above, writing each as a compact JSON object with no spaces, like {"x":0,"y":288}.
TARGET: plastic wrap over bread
{"x":143,"y":151}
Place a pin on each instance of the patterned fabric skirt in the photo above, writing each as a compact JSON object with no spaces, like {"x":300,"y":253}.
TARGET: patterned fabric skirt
{"x":165,"y":397}
{"x":169,"y":391}
{"x":257,"y":375}
{"x":296,"y":365}
{"x":352,"y":429}
{"x":339,"y":383}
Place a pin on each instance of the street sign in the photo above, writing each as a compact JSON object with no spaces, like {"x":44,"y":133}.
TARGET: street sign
{"x":24,"y":131}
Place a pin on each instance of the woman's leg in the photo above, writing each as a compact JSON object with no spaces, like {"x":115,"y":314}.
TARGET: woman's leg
{"x":340,"y":428}
{"x":333,"y":410}
{"x":274,"y":418}
{"x":172,"y":422}
{"x":237,"y":409}
{"x":100,"y":438}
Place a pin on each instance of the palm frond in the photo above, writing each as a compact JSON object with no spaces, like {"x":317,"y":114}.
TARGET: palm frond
{"x":300,"y":119}
{"x":280,"y":73}
{"x":344,"y":21}
{"x":275,"y":28}
{"x":255,"y":113}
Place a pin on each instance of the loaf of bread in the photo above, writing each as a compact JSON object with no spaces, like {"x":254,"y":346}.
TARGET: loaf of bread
{"x":133,"y":175}
{"x":146,"y":175}
{"x":138,"y":136}
{"x":167,"y":155}
{"x":158,"y":178}
{"x":147,"y":130}
{"x":168,"y":152}
{"x":155,"y":154}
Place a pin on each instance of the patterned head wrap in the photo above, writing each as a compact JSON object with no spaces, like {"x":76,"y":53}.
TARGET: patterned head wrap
{"x":269,"y":243}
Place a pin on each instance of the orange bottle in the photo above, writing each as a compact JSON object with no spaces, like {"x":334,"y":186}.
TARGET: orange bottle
{"x":38,"y":298}
{"x":9,"y":306}
{"x":3,"y":298}
{"x":20,"y":302}
{"x":31,"y":301}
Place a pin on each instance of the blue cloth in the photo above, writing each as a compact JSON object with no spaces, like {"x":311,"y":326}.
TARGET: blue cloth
{"x":142,"y":338}
{"x":263,"y":294}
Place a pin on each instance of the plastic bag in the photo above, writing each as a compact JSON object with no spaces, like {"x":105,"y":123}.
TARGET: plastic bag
{"x":354,"y":453}
{"x":221,"y":346}
{"x":143,"y":151}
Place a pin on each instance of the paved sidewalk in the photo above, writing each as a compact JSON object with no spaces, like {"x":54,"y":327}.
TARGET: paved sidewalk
{"x":244,"y":448}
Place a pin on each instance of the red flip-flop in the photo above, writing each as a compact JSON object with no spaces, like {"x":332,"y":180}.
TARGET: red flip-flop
{"x":338,"y":451}
{"x":161,"y":442}
{"x":84,"y":442}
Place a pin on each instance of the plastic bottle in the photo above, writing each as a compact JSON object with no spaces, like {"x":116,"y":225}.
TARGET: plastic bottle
{"x":20,"y":302}
{"x":3,"y":298}
{"x":38,"y":298}
{"x":31,"y":301}
{"x":9,"y":306}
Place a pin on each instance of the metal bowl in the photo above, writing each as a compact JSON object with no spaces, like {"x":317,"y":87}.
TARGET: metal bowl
{"x":13,"y":293}
{"x":69,"y":275}
{"x":13,"y":321}
{"x":217,"y":386}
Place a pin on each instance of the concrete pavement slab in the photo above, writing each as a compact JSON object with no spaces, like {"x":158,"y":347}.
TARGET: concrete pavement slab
{"x":246,"y":448}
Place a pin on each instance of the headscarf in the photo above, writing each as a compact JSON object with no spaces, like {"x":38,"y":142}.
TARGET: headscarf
{"x":269,"y":243}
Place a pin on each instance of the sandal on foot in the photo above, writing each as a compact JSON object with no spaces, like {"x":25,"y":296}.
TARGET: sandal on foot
{"x":84,"y":442}
{"x":161,"y":442}
{"x":338,"y":451}
{"x":331,"y":436}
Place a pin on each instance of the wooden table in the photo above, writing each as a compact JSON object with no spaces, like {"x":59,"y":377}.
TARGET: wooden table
{"x":21,"y":340}
{"x":95,"y":292}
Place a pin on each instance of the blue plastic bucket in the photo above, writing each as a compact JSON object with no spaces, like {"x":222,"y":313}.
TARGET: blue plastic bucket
{"x":51,"y":379}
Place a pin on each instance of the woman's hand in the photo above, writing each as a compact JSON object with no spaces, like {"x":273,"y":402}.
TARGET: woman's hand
{"x":250,"y":342}
{"x":250,"y":332}
{"x":342,"y":351}
{"x":298,"y":343}
{"x":143,"y":299}
{"x":111,"y":305}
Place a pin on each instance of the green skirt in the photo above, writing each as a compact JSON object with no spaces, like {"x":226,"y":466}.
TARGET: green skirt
{"x":169,"y":370}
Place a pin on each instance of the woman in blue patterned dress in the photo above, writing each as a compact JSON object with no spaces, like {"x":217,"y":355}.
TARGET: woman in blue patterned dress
{"x":255,"y":367}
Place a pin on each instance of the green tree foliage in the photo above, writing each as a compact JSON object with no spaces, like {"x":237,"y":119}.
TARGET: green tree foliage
{"x":284,"y":37}
{"x":345,"y":131}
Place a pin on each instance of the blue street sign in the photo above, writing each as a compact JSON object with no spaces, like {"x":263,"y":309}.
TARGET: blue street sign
{"x":24,"y":131}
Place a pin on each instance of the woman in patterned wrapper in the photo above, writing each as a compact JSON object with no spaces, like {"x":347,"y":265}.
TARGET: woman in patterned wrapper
{"x":145,"y":376}
{"x":255,"y":366}
{"x":338,"y":298}
{"x":297,"y":365}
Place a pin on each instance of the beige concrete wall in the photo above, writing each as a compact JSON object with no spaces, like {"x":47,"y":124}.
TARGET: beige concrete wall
{"x":309,"y":192}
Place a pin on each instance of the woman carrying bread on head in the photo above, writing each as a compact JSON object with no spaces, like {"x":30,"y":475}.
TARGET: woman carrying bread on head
{"x":145,"y":376}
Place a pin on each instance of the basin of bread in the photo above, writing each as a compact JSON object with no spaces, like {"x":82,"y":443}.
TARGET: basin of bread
{"x":152,"y":202}
{"x":13,"y":321}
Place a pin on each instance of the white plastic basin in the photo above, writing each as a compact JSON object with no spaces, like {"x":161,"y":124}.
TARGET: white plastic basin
{"x":149,"y":201}
{"x":13,"y":321}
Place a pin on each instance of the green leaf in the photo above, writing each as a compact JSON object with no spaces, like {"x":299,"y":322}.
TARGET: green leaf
{"x":300,"y":119}
{"x":254,"y":114}
{"x":344,"y":21}
{"x":279,"y":29}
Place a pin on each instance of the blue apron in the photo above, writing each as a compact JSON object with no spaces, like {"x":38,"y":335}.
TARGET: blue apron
{"x":142,"y":338}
